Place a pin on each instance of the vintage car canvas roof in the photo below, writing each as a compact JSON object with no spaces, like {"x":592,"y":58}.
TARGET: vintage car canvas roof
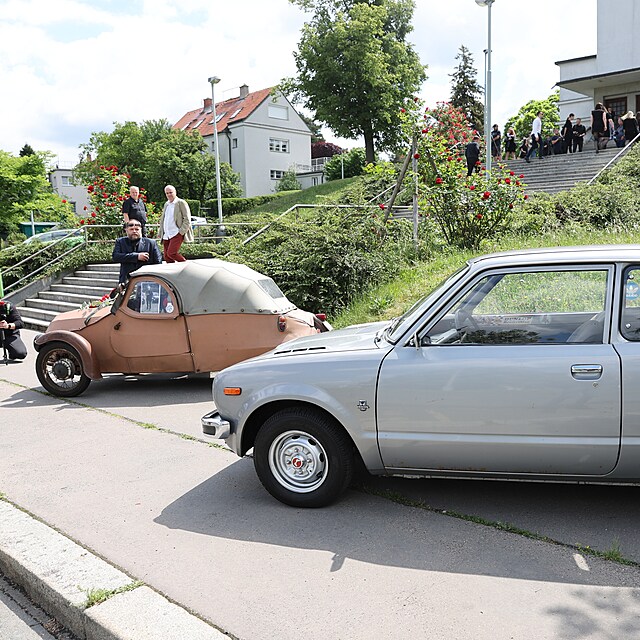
{"x":217,"y":286}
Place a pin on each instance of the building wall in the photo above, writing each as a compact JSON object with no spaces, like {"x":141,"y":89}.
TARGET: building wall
{"x":264,"y":143}
{"x":62,"y":183}
{"x":618,"y":44}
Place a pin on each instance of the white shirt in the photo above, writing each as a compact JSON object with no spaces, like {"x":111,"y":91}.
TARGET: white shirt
{"x":537,"y":126}
{"x":170,"y":228}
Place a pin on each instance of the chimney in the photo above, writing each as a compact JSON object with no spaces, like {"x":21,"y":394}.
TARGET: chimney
{"x":244,"y":91}
{"x":207,"y":105}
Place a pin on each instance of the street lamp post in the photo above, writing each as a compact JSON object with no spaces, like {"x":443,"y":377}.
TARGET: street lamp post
{"x":213,"y":80}
{"x":487,"y":89}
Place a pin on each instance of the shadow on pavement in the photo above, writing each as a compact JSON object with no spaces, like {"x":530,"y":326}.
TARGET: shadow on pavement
{"x":373,"y":530}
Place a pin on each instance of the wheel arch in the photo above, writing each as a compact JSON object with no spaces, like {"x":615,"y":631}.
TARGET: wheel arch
{"x":263,"y":413}
{"x":88,"y":357}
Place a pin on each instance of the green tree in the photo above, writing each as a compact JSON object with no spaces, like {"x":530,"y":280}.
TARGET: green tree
{"x":25,"y":188}
{"x":27,"y":150}
{"x":288,"y":182}
{"x":154,"y":154}
{"x":523,"y":120}
{"x":314,"y":127}
{"x":466,"y":91}
{"x":351,"y":162}
{"x":355,"y":68}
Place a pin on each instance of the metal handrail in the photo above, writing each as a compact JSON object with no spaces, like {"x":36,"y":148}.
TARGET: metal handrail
{"x":622,"y":151}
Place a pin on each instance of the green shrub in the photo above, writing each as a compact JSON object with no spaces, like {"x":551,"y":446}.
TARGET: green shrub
{"x":194,"y":206}
{"x":233,"y":206}
{"x":352,"y":162}
{"x":288,"y":182}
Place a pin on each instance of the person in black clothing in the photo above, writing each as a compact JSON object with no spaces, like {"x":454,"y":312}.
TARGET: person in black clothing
{"x":630,"y":125}
{"x":10,"y":325}
{"x":135,"y":251}
{"x":496,"y":143}
{"x":567,"y":134}
{"x":134,"y":208}
{"x":599,"y":126}
{"x":510,"y":145}
{"x":472,"y":154}
{"x":579,"y":131}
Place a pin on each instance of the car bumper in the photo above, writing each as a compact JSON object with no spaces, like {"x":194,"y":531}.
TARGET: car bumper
{"x":213,"y":425}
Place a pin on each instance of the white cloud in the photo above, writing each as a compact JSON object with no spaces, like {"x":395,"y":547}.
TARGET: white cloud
{"x":71,"y":67}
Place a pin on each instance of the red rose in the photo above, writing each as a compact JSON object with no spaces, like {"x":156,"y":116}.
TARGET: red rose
{"x":82,"y":221}
{"x":477,"y":163}
{"x":478,"y":215}
{"x":64,"y":202}
{"x":416,"y":156}
{"x":511,"y":205}
{"x":415,"y":99}
{"x":93,"y":214}
{"x":403,"y":110}
{"x":486,"y":195}
{"x":512,"y":173}
{"x":507,"y":180}
{"x":472,"y":187}
{"x":517,"y":183}
{"x":521,"y":175}
{"x":439,"y":180}
{"x":382,"y":206}
{"x":449,"y":159}
{"x":85,"y":207}
{"x":526,"y":197}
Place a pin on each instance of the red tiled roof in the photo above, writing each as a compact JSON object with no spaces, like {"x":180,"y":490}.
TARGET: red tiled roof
{"x":233,"y":110}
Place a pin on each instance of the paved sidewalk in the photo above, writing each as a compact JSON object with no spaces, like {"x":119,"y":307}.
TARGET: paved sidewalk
{"x":193,"y":523}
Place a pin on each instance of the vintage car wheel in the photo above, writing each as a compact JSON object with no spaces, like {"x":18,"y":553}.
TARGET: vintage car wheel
{"x":59,"y":369}
{"x":303,"y":458}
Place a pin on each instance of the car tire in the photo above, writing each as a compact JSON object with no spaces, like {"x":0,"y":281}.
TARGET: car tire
{"x":303,"y":458}
{"x":60,"y":371}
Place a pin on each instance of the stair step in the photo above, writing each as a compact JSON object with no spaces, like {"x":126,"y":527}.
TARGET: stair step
{"x":110,"y":267}
{"x":52,"y":305}
{"x":37,"y":314}
{"x":35,"y":324}
{"x":75,"y":298}
{"x":90,"y":282}
{"x":95,"y":292}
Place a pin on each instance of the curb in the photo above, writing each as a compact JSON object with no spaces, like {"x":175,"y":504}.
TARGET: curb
{"x":58,"y":574}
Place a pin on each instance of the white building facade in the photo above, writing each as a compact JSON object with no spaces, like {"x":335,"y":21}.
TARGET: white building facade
{"x":61,"y":179}
{"x":260,"y":135}
{"x":612,"y":75}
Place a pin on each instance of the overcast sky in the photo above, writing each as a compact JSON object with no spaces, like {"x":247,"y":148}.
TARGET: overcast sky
{"x":71,"y":67}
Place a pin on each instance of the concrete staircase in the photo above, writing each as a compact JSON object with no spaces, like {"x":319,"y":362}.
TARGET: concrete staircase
{"x":85,"y":285}
{"x":562,"y":172}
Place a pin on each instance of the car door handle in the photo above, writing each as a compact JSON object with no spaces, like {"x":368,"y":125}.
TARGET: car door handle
{"x":117,"y":326}
{"x":586,"y":371}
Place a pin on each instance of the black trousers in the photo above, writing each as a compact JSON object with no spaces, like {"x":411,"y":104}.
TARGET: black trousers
{"x":12,"y":342}
{"x":577,"y":144}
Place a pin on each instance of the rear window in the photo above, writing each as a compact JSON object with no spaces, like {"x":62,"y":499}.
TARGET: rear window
{"x":271,"y":288}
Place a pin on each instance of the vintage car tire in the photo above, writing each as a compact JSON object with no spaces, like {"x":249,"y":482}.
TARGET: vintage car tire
{"x":303,"y":458}
{"x":65,"y":357}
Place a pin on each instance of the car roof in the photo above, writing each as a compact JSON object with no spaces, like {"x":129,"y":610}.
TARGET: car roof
{"x":217,"y":286}
{"x":553,"y":255}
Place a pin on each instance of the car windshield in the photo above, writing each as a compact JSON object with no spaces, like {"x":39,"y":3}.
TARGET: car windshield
{"x":398,"y":325}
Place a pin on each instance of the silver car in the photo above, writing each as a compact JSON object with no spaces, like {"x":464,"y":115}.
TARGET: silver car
{"x":520,"y":365}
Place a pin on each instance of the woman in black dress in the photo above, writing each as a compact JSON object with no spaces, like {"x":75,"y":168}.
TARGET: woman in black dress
{"x":630,"y":125}
{"x":599,"y":127}
{"x":510,"y":144}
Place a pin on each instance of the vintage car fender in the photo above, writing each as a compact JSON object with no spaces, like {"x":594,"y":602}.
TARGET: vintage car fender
{"x":81,"y":345}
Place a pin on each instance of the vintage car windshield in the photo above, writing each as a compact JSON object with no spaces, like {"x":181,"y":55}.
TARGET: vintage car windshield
{"x":398,"y":325}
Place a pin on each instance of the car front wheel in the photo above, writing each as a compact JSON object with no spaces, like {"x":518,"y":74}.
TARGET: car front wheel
{"x":60,"y":371}
{"x":303,"y":458}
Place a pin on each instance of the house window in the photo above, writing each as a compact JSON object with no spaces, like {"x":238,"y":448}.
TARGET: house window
{"x":219,"y":117}
{"x":235,"y":113}
{"x":197,"y":124}
{"x":617,"y":105}
{"x":66,"y":181}
{"x":280,"y":146}
{"x":234,"y":143}
{"x":315,"y":182}
{"x":278,"y":112}
{"x":277,"y":174}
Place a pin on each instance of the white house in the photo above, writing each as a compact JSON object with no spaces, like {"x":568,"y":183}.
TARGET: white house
{"x":61,"y":179}
{"x":260,"y":135}
{"x":612,"y":76}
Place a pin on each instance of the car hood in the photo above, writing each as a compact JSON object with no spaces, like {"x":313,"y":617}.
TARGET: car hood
{"x":75,"y":320}
{"x":355,"y":338}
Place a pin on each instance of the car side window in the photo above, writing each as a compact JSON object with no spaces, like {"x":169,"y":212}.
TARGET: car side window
{"x":630,"y":318}
{"x":541,"y":307}
{"x":150,"y":298}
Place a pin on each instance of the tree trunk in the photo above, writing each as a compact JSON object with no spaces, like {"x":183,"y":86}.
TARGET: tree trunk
{"x":370,"y":152}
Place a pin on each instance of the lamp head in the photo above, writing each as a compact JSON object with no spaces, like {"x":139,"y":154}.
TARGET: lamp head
{"x":215,"y":79}
{"x":484,"y":3}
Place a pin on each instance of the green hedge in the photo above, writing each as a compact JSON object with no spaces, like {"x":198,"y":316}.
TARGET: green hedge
{"x":231,"y":206}
{"x":194,"y":205}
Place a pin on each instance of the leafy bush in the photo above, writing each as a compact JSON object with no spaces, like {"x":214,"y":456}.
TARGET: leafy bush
{"x":353,"y":161}
{"x":323,"y":265}
{"x":233,"y":206}
{"x":288,"y":182}
{"x":194,"y":206}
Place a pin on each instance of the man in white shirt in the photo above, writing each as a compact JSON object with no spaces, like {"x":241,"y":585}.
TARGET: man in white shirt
{"x":536,"y":137}
{"x":175,"y":225}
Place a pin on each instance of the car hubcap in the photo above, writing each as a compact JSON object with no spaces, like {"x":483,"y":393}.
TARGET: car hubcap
{"x":298,"y":461}
{"x":63,"y":369}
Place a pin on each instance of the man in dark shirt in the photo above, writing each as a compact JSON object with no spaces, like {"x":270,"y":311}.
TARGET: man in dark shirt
{"x":133,"y":208}
{"x":472,"y":154}
{"x":579,"y":131}
{"x":134,"y":251}
{"x":10,"y":324}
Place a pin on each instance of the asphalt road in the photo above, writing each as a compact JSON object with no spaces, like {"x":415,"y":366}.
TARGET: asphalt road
{"x":194,"y":523}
